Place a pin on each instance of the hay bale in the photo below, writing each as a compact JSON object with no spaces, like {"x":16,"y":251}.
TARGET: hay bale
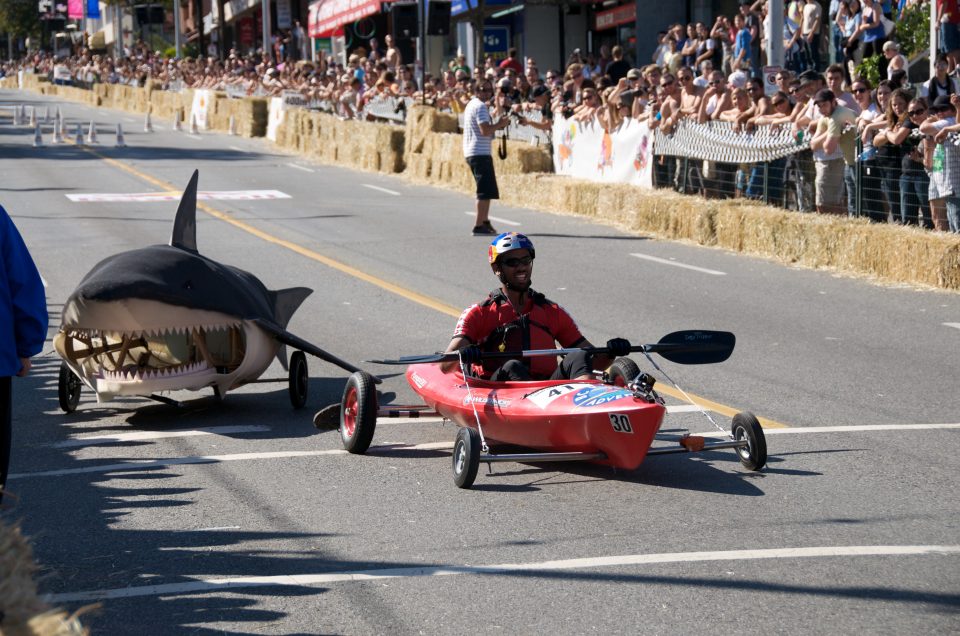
{"x":21,"y":609}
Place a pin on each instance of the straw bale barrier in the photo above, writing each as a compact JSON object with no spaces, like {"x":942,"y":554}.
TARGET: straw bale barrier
{"x":377,"y":147}
{"x":21,"y":610}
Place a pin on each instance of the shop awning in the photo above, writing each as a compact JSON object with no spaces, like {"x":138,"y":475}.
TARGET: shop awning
{"x":327,"y":16}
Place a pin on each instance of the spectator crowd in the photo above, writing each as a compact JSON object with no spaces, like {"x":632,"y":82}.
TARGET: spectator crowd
{"x":883,"y":150}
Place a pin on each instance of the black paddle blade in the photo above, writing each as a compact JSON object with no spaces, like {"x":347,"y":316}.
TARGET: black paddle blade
{"x":695,"y":347}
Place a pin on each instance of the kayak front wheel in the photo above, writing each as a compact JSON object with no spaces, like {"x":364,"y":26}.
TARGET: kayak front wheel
{"x":746,"y":427}
{"x":466,"y":457}
{"x":358,"y":413}
{"x":622,"y":372}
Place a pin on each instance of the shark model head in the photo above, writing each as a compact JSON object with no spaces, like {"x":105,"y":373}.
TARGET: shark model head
{"x":165,"y":318}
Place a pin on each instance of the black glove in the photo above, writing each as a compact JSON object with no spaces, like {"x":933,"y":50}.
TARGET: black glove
{"x":470,"y":354}
{"x":617,"y":347}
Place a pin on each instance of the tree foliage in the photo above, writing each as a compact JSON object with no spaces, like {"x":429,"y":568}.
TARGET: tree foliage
{"x":19,"y":17}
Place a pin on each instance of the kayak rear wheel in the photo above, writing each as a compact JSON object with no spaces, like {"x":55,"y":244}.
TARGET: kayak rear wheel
{"x":622,"y":372}
{"x":466,"y":457}
{"x":746,"y":427}
{"x":358,"y":413}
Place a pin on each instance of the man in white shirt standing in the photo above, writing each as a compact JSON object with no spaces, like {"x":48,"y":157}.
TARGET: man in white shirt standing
{"x":478,"y":131}
{"x":810,"y":30}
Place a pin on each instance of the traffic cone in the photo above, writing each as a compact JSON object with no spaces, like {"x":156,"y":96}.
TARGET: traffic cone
{"x":177,"y":124}
{"x":33,"y":116}
{"x":147,"y":124}
{"x":193,"y":125}
{"x":79,"y":134}
{"x":233,"y":125}
{"x":92,"y":134}
{"x":37,"y":136}
{"x":120,"y":141}
{"x":57,"y":130}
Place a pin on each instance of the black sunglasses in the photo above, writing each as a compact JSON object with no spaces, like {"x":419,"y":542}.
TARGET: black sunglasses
{"x":918,"y":111}
{"x":665,"y":84}
{"x":514,"y":262}
{"x":859,"y":90}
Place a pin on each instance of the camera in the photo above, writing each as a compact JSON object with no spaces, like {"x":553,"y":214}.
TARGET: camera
{"x":627,"y":97}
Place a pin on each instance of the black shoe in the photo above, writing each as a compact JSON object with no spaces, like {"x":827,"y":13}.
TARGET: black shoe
{"x":485,"y":229}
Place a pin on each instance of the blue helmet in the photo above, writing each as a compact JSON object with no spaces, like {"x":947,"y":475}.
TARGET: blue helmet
{"x":508,"y":242}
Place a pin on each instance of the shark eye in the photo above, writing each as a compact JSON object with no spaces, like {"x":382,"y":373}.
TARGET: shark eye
{"x":188,"y":284}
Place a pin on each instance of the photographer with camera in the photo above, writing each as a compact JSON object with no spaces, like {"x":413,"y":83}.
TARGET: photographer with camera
{"x":478,"y":132}
{"x":540,"y":102}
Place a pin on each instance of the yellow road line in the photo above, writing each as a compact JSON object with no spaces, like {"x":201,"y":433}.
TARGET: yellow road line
{"x":393,"y":288}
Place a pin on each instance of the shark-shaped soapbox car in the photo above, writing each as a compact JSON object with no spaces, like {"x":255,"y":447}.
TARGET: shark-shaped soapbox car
{"x":166,"y":318}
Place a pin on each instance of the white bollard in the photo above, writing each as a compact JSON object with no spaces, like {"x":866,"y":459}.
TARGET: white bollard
{"x":147,"y":124}
{"x":46,"y":115}
{"x":233,"y":125}
{"x":16,"y":115}
{"x":37,"y":136}
{"x":92,"y":133}
{"x":33,"y":116}
{"x":57,"y":130}
{"x":177,"y":124}
{"x":120,"y":141}
{"x":194,"y":130}
{"x":79,"y":134}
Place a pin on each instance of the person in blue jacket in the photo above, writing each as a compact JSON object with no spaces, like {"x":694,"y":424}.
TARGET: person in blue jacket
{"x":23,"y":325}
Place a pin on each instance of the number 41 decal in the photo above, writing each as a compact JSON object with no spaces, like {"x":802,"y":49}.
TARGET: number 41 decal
{"x":621,"y":423}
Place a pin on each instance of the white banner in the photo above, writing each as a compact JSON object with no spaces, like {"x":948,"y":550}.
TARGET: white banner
{"x":587,"y":151}
{"x":201,"y":107}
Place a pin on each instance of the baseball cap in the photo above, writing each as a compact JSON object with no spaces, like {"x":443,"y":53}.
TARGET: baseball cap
{"x":633,"y":74}
{"x":539,"y":90}
{"x":824,"y":95}
{"x":942,"y":102}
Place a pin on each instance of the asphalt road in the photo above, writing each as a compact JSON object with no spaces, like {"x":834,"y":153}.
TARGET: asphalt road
{"x":240,"y":517}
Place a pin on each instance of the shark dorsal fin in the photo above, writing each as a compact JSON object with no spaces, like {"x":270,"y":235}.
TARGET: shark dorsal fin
{"x":286,"y":302}
{"x":185,"y":225}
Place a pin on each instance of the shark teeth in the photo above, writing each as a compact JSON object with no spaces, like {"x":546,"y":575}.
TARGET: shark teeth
{"x":153,"y":332}
{"x":139,"y":375}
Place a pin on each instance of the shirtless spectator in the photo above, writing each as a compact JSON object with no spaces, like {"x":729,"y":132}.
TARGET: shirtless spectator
{"x":742,"y":108}
{"x":668,"y":99}
{"x":716,"y":98}
{"x":690,"y":93}
{"x":392,"y":56}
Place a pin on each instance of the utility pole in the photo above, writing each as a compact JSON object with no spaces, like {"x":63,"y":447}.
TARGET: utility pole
{"x":265,"y":7}
{"x":176,"y":29}
{"x":422,"y":44}
{"x":775,"y":34}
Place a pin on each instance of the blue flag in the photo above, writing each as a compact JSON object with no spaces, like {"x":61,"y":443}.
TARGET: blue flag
{"x":93,"y":9}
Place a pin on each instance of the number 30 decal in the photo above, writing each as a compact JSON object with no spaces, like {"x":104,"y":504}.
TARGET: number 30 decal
{"x":621,"y":423}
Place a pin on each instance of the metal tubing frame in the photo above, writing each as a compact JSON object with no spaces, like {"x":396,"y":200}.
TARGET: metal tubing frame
{"x":406,"y":411}
{"x":543,"y":457}
{"x":706,"y":447}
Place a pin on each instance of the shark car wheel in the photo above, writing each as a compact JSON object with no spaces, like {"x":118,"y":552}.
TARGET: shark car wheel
{"x":299,"y":379}
{"x":466,"y":457}
{"x":358,"y":413}
{"x":747,"y":428}
{"x":68,"y":389}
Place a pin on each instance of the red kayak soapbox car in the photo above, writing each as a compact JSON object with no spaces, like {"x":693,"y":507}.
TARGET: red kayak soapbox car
{"x":609,"y":420}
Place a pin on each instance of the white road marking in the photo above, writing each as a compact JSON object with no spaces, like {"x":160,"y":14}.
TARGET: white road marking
{"x":146,"y":464}
{"x":498,"y":219}
{"x":955,"y":325}
{"x":854,"y":428}
{"x":138,"y":436}
{"x":216,"y":459}
{"x":301,"y":580}
{"x":153,"y":197}
{"x":237,"y":148}
{"x":665,"y":261}
{"x":378,"y":188}
{"x":684,"y":408}
{"x":215,"y":529}
{"x":293,"y":165}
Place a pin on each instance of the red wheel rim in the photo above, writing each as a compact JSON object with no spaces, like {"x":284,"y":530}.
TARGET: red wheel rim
{"x":350,"y":412}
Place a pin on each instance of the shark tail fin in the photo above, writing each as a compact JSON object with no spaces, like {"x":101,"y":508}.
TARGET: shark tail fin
{"x":185,"y":225}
